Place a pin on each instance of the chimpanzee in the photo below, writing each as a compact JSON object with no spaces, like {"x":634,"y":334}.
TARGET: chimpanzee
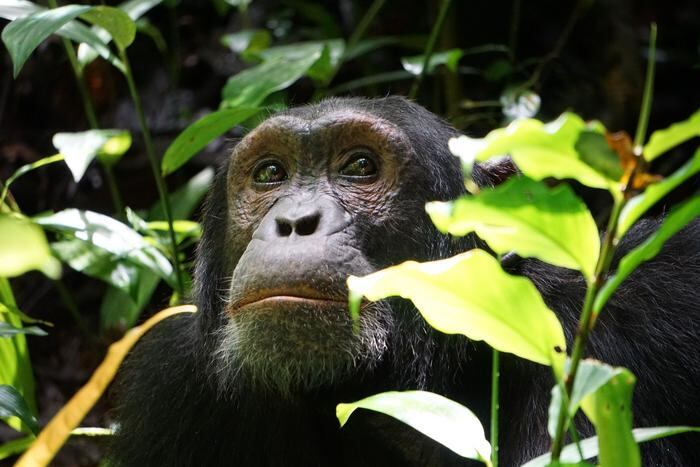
{"x":317,"y":193}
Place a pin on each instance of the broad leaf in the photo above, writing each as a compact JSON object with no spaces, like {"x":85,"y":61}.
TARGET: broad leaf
{"x":85,"y":257}
{"x":23,"y":248}
{"x":589,"y":446}
{"x":610,"y":410}
{"x":590,"y":376}
{"x":527,"y":217}
{"x":663,"y":140}
{"x":470,"y":294}
{"x":73,"y":30}
{"x":323,"y":68}
{"x":117,"y":23}
{"x":196,"y":136}
{"x":540,"y":150}
{"x":15,"y":365}
{"x":250,"y":87}
{"x":112,"y":236}
{"x":24,"y":34}
{"x":638,"y":205}
{"x":7,"y":330}
{"x":12,"y":404}
{"x":678,"y":218}
{"x":248,"y":43}
{"x":16,"y":446}
{"x":133,"y":10}
{"x":447,"y":422}
{"x":79,"y":149}
{"x":448,"y":58}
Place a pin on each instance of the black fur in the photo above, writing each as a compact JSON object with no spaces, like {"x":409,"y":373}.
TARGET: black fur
{"x":173,"y":411}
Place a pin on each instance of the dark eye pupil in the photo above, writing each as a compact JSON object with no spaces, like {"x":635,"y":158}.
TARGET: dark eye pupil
{"x":271,"y":172}
{"x":361,"y":166}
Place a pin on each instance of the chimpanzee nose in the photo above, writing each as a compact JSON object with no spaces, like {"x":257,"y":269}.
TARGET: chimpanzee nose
{"x":296,"y":217}
{"x":302,"y":222}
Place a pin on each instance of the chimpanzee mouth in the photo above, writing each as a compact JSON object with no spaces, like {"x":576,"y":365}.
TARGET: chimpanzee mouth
{"x":283,"y":297}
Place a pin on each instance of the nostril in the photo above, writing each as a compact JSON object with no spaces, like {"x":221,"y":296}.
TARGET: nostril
{"x":307,"y":225}
{"x":284,"y":229}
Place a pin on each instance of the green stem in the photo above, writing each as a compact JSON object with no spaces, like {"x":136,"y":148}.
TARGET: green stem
{"x":495,"y":379}
{"x":160,"y":183}
{"x":364,"y":23}
{"x":640,"y":136}
{"x":72,"y":308}
{"x":430,"y":46}
{"x":586,"y":321}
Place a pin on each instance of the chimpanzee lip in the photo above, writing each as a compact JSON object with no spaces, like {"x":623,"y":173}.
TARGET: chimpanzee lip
{"x":302,"y":295}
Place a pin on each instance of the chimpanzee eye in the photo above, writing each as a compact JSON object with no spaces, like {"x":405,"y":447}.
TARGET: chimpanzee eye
{"x":269,"y":172}
{"x":361,"y":164}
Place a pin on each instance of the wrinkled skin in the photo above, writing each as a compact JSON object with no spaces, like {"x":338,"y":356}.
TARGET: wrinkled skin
{"x":321,"y":192}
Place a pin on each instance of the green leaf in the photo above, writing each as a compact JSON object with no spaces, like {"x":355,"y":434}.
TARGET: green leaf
{"x":589,"y":446}
{"x":7,"y":330}
{"x":610,"y":410}
{"x":595,"y":151}
{"x":23,"y":248}
{"x":527,"y":217}
{"x":134,"y":9}
{"x":663,"y":140}
{"x":16,"y":446}
{"x":15,"y":366}
{"x":79,"y":149}
{"x":505,"y":311}
{"x":540,"y":150}
{"x":85,"y":257}
{"x":675,"y":221}
{"x":24,"y":34}
{"x":117,"y":23}
{"x":590,"y":376}
{"x":12,"y":404}
{"x":248,"y":43}
{"x":638,"y":205}
{"x":112,"y":236}
{"x":447,"y":422}
{"x":196,"y":136}
{"x":251,"y":86}
{"x":448,"y":58}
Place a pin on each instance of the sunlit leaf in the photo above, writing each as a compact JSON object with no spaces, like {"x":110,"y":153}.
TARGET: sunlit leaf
{"x":663,"y":140}
{"x":134,"y":9}
{"x":23,"y":248}
{"x":610,"y":410}
{"x":589,"y":446}
{"x":437,"y":417}
{"x":505,"y":311}
{"x":24,"y":34}
{"x":248,"y":43}
{"x":73,"y":30}
{"x":7,"y":330}
{"x":12,"y":404}
{"x":540,"y":150}
{"x":120,"y":27}
{"x":85,"y":257}
{"x":678,"y":218}
{"x":196,"y":136}
{"x":448,"y":58}
{"x":79,"y":149}
{"x":110,"y":235}
{"x":527,"y":217}
{"x":251,"y":86}
{"x":590,"y":376}
{"x":57,"y":431}
{"x":637,"y":206}
{"x":15,"y":365}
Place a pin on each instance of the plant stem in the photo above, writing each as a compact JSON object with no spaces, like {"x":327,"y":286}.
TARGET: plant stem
{"x":495,"y":379}
{"x":364,"y":23}
{"x":586,"y":321}
{"x":72,"y":308}
{"x":640,"y":135}
{"x":160,"y":183}
{"x":430,"y":46}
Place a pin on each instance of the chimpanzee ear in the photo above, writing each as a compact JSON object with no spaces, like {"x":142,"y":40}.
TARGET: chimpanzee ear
{"x":495,"y":171}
